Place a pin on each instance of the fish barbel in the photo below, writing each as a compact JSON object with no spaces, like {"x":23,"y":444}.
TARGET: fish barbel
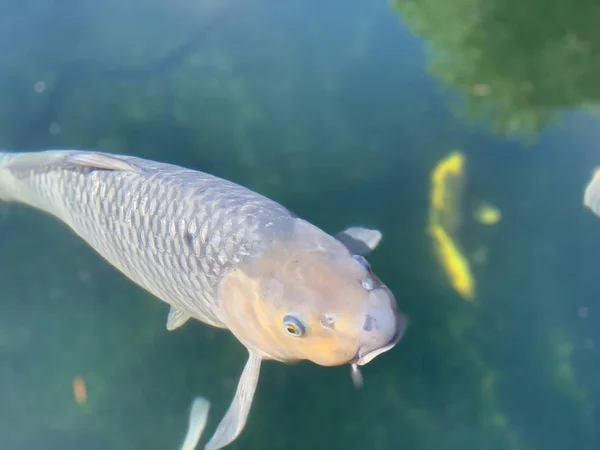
{"x":222,"y":254}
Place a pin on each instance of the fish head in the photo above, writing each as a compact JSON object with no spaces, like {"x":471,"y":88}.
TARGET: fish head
{"x":308,"y":298}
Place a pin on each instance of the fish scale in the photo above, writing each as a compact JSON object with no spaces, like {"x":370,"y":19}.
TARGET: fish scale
{"x":173,"y":231}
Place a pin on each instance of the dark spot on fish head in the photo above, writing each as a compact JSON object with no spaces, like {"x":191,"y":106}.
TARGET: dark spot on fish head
{"x":369,"y":323}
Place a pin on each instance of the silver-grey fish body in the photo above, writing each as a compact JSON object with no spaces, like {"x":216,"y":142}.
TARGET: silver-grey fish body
{"x":171,"y":230}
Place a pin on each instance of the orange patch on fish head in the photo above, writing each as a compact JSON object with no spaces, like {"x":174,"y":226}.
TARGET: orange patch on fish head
{"x":311,"y":300}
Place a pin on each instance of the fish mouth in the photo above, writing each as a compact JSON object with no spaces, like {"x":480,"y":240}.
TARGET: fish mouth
{"x":363,"y":358}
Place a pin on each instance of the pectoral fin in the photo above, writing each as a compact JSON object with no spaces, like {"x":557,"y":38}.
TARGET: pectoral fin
{"x":235,"y":419}
{"x":176,"y":318}
{"x":360,"y":240}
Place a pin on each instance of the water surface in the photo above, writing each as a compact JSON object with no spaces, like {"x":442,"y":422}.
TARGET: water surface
{"x":339,"y":110}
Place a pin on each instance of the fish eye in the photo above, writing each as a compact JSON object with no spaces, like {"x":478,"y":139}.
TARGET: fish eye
{"x":362,"y":261}
{"x":293,"y":325}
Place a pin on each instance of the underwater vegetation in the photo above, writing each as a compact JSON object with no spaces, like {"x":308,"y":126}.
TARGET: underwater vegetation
{"x":516,"y":64}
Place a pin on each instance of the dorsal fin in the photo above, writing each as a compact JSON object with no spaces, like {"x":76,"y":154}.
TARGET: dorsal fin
{"x":102,"y":161}
{"x":20,"y":162}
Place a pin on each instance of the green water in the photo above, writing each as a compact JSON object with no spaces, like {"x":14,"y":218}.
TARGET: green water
{"x":339,"y":110}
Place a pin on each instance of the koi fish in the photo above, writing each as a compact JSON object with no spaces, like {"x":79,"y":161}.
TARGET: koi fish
{"x":221,"y":254}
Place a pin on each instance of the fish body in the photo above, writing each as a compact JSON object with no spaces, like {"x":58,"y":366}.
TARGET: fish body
{"x":219,"y":253}
{"x":454,"y":262}
{"x":445,"y":219}
{"x":173,"y":231}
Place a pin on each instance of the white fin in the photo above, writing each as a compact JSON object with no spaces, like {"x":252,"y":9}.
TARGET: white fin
{"x":176,"y":318}
{"x":103,"y":161}
{"x":197,"y":423}
{"x":357,"y":378}
{"x":359,"y":240}
{"x":60,"y":158}
{"x":235,"y":419}
{"x":24,"y":161}
{"x":591,"y":197}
